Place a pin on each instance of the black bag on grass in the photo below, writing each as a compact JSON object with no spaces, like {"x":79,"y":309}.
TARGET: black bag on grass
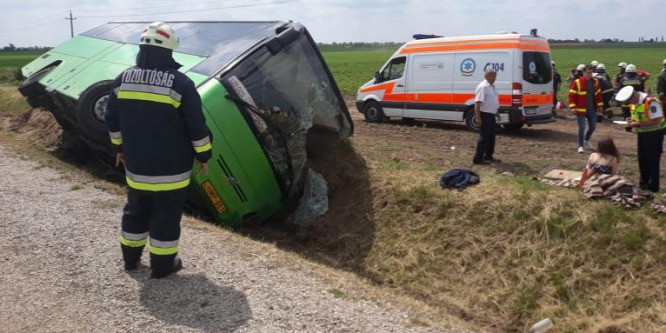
{"x":459,"y":179}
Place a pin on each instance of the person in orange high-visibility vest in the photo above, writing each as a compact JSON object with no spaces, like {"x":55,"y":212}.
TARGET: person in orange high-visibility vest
{"x":585,"y":101}
{"x":647,"y":117}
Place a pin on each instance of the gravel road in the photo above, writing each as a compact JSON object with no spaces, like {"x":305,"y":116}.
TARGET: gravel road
{"x":62,"y":272}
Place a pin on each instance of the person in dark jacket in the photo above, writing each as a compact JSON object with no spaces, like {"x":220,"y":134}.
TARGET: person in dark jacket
{"x":156,"y":122}
{"x":557,"y":84}
{"x":661,"y":84}
{"x":630,"y":78}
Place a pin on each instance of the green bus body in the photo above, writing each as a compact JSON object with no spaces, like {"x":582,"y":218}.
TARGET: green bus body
{"x":241,"y":184}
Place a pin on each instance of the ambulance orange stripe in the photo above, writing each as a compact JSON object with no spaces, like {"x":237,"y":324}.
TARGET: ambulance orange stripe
{"x":387,"y":87}
{"x":476,"y":47}
{"x":496,"y":40}
{"x":534,"y":100}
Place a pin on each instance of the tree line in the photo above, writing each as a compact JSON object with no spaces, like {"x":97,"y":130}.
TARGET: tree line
{"x":13,"y":48}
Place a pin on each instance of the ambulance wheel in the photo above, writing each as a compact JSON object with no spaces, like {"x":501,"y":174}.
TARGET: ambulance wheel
{"x":469,"y":121}
{"x":513,"y":127}
{"x":91,"y":110}
{"x":373,"y":112}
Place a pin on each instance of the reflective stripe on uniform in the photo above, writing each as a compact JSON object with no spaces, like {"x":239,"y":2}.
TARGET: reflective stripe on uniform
{"x":202,"y":145}
{"x":163,"y":248}
{"x":116,"y":138}
{"x":150,"y":97}
{"x":147,"y":88}
{"x":133,"y":240}
{"x":158,"y":183}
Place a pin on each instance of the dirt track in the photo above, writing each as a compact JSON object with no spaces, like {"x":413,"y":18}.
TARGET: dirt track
{"x":531,"y":151}
{"x":62,"y":272}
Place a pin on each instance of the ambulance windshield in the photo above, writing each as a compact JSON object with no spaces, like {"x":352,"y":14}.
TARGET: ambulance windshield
{"x":537,"y":68}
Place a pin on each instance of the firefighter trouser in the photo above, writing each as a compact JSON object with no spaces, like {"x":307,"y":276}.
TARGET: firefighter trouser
{"x":152,"y":219}
{"x":649,"y":155}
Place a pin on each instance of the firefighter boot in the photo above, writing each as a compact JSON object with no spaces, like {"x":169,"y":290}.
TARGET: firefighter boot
{"x":163,"y":265}
{"x":131,"y":256}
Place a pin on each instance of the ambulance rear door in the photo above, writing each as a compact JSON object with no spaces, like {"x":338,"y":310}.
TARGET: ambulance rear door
{"x":537,"y":82}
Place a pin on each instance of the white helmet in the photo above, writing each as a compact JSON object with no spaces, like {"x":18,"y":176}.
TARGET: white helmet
{"x":631,"y":68}
{"x":664,"y":62}
{"x":159,"y":34}
{"x":594,"y":63}
{"x":622,"y":65}
{"x":601,"y":66}
{"x":580,"y":67}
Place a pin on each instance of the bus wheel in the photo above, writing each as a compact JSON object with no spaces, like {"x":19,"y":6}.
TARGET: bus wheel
{"x":469,"y":121}
{"x":513,"y":127}
{"x":373,"y":112}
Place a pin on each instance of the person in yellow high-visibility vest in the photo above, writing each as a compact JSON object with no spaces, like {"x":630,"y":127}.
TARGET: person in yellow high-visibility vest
{"x":647,"y":117}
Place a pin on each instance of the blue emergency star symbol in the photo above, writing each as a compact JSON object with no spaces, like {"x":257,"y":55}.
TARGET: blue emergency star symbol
{"x":468,"y":67}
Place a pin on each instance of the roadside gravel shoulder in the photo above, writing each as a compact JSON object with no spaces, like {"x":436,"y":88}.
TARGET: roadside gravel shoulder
{"x":62,"y":272}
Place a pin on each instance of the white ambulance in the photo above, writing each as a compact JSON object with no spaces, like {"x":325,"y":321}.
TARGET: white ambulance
{"x":435,"y":78}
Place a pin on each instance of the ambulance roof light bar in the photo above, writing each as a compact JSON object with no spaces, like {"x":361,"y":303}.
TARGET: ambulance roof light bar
{"x":423,"y":36}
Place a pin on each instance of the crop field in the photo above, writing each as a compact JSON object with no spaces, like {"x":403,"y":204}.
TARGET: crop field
{"x":10,"y":61}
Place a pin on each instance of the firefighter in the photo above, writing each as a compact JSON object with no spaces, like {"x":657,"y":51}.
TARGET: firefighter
{"x":594,"y":64}
{"x":607,"y":90}
{"x":585,"y":101}
{"x":661,"y":83}
{"x":157,"y":125}
{"x":575,"y":74}
{"x":557,"y":84}
{"x":648,"y":118}
{"x":622,"y":67}
{"x":630,"y":78}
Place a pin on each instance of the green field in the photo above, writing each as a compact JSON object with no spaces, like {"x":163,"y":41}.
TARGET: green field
{"x":10,"y":61}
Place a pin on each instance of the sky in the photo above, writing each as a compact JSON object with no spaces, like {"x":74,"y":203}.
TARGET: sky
{"x":42,"y":23}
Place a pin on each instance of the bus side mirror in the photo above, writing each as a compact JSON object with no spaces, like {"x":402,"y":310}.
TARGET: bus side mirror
{"x":378,"y":77}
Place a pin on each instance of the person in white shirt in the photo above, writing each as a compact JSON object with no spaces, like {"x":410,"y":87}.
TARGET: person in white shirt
{"x":486,"y":104}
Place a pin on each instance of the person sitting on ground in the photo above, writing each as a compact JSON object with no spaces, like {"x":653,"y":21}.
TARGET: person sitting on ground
{"x":605,"y":160}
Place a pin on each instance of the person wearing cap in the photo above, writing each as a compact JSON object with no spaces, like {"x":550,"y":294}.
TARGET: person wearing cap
{"x":156,"y":123}
{"x":557,"y":84}
{"x":630,"y":78}
{"x":661,"y":83}
{"x":648,"y":118}
{"x":585,"y":101}
{"x":622,"y":67}
{"x":486,"y":104}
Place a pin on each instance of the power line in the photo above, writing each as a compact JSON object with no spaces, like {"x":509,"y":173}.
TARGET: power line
{"x":192,"y":10}
{"x":32,"y":25}
{"x":189,"y":4}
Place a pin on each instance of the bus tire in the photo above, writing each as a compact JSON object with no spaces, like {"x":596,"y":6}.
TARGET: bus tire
{"x":373,"y":112}
{"x":90,"y":112}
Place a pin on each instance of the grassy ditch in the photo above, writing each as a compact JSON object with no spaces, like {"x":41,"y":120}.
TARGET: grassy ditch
{"x":512,"y":251}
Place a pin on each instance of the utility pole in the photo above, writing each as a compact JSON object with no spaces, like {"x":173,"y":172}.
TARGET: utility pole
{"x":71,"y":23}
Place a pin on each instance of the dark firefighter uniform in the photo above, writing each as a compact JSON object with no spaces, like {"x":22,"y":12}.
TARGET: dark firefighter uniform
{"x":630,"y":79}
{"x":661,"y":85}
{"x":155,"y":119}
{"x":648,"y":118}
